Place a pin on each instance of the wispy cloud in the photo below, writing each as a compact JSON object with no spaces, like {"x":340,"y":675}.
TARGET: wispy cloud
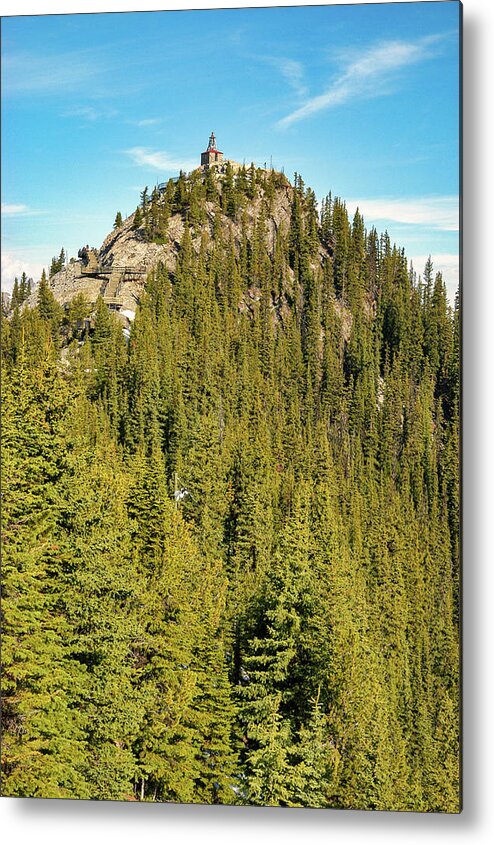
{"x":146,"y":121}
{"x":18,"y":209}
{"x":367,"y":74}
{"x":29,"y":73}
{"x":13,"y":208}
{"x":90,"y":113}
{"x":293,"y":72}
{"x":440,"y":212}
{"x":159,"y":160}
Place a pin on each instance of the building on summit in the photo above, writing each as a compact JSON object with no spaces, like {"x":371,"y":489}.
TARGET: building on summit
{"x":212,"y":156}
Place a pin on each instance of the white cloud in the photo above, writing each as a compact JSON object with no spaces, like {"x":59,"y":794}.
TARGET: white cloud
{"x":159,"y":160}
{"x":89,"y":113}
{"x":19,"y":209}
{"x":146,"y":121}
{"x":441,"y":212}
{"x":293,"y":72}
{"x":28,"y":73}
{"x":14,"y":208}
{"x":13,"y":264}
{"x":362,"y":75}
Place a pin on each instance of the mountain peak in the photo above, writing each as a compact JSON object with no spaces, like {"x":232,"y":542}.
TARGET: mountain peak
{"x":220,"y":203}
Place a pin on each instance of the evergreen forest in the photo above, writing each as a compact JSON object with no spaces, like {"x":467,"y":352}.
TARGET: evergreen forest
{"x":231,"y":540}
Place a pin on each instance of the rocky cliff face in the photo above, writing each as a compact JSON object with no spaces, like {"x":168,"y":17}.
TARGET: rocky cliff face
{"x":128,"y":247}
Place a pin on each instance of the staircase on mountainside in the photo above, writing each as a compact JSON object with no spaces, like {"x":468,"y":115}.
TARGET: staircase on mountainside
{"x":90,"y":261}
{"x":110,"y":293}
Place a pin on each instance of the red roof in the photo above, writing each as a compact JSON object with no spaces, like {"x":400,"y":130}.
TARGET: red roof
{"x":212,"y":151}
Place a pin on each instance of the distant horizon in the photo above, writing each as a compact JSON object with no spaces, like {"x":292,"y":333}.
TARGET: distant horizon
{"x":360,"y":100}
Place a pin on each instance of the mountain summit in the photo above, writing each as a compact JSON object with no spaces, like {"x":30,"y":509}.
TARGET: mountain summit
{"x":221,"y":204}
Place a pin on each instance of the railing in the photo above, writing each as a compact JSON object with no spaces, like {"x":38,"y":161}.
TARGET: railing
{"x":115,"y":275}
{"x":100,"y":270}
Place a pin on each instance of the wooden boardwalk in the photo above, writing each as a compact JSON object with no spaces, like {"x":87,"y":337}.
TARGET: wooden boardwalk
{"x":114,"y":277}
{"x":112,"y":286}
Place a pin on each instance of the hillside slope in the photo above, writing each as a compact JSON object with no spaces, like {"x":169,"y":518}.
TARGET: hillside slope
{"x":231,"y":531}
{"x":139,"y":247}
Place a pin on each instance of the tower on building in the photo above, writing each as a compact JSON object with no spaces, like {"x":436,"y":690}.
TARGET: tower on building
{"x":212,"y":155}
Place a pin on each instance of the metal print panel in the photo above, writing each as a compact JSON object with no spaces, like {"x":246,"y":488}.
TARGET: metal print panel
{"x":230,"y":406}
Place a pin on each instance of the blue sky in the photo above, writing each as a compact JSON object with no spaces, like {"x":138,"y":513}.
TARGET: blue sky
{"x":361,"y":100}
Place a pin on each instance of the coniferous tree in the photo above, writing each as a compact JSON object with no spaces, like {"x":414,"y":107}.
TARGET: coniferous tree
{"x":137,"y":218}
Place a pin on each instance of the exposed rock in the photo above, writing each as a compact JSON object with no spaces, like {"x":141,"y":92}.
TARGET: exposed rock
{"x":127,"y":249}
